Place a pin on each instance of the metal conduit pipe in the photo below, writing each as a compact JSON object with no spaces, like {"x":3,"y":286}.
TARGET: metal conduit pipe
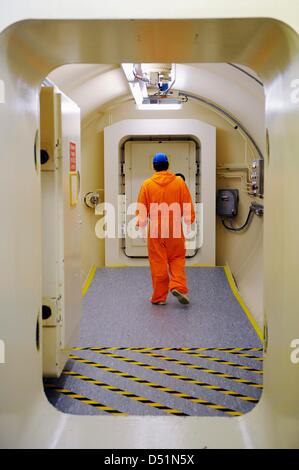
{"x":246,"y":73}
{"x":222,"y":111}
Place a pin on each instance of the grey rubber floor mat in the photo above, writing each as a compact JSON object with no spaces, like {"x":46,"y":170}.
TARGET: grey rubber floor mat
{"x":117,"y":311}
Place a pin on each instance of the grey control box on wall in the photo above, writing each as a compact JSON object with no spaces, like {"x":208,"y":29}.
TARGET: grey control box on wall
{"x":227,"y":203}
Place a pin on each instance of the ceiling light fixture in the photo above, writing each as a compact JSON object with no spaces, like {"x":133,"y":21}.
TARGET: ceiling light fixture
{"x":151,"y":86}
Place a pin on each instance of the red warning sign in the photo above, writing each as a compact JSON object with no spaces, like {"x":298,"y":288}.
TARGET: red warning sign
{"x":73,"y":157}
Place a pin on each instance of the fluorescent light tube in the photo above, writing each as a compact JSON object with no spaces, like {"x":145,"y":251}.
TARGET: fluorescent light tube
{"x":158,"y":106}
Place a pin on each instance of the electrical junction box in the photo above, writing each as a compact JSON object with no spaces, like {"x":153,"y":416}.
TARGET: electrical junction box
{"x":257,"y":178}
{"x":227,"y":203}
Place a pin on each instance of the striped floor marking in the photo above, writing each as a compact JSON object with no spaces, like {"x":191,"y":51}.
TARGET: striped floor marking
{"x":235,"y":351}
{"x":174,"y":375}
{"x":85,"y":400}
{"x":224,"y":362}
{"x":161,"y":388}
{"x":125,"y":393}
{"x":203,"y":356}
{"x":176,"y":361}
{"x":238,"y":353}
{"x":121,"y":348}
{"x":193,"y":381}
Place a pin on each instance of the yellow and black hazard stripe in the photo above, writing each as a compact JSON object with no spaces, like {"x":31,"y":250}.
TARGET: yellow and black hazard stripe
{"x":186,"y":379}
{"x":131,"y":348}
{"x":183,"y":363}
{"x":247,"y":356}
{"x":85,"y":400}
{"x":229,"y":351}
{"x":159,"y":387}
{"x":203,"y":356}
{"x":179,"y":362}
{"x":223,"y":361}
{"x":242,"y":352}
{"x":125,"y":393}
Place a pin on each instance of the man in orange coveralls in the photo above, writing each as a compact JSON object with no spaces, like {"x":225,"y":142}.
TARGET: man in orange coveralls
{"x":162,"y":202}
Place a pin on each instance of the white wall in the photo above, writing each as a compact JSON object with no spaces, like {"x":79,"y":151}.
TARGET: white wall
{"x":92,"y":178}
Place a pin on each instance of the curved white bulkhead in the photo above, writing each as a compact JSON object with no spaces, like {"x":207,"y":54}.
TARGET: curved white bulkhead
{"x":83,"y":57}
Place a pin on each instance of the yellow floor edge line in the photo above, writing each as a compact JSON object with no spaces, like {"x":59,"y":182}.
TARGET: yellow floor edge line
{"x":242,"y":304}
{"x":88,"y":280}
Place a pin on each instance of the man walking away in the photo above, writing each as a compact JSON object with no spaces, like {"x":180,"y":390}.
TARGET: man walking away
{"x":162,"y":202}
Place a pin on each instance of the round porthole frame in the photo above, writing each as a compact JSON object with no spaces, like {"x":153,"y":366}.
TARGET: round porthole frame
{"x":37,"y":333}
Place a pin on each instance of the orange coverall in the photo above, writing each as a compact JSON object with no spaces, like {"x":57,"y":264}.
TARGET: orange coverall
{"x":166,"y":250}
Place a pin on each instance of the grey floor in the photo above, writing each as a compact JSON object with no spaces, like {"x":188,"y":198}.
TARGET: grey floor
{"x":118,"y":314}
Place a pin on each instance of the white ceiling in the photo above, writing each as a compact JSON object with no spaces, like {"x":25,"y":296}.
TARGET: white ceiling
{"x":92,"y":86}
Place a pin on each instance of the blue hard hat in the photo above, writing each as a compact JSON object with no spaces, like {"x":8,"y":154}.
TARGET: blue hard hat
{"x":163,"y":86}
{"x":160,"y":157}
